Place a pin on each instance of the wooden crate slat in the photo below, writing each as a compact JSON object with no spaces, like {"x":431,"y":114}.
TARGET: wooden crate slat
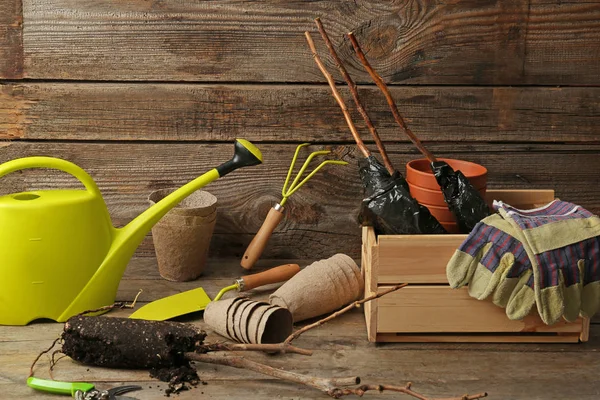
{"x":368,"y":271}
{"x":415,"y":258}
{"x":585,"y":330}
{"x":522,"y":198}
{"x":448,"y":338}
{"x":416,"y":309}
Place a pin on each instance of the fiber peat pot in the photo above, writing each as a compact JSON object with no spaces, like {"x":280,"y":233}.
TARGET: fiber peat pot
{"x":428,"y":310}
{"x":182,"y":237}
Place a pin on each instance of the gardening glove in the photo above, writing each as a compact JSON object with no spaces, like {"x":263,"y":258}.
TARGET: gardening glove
{"x":490,"y":260}
{"x":562,"y":241}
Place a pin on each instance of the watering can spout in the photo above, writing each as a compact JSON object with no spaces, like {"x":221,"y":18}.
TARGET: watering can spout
{"x":105,"y":282}
{"x":245,"y":154}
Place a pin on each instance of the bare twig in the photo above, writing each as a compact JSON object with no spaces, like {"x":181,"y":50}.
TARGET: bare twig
{"x":41,"y":354}
{"x":53,"y":362}
{"x":334,"y":387}
{"x":135,"y":299}
{"x":268,"y":348}
{"x":119,"y":304}
{"x":406,"y":389}
{"x":322,"y":384}
{"x":359,"y":143}
{"x":320,"y":322}
{"x":390,"y":100}
{"x":354,"y":91}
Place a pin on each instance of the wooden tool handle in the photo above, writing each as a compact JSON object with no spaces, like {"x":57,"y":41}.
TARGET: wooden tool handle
{"x":258,"y":244}
{"x":273,"y":275}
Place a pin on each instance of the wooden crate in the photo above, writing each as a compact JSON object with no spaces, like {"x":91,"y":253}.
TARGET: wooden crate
{"x":428,"y":310}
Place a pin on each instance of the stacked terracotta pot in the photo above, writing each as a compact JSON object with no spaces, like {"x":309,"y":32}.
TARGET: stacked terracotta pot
{"x":425,"y":189}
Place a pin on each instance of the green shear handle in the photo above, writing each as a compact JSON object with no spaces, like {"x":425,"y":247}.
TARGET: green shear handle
{"x":80,"y":390}
{"x":58,"y":387}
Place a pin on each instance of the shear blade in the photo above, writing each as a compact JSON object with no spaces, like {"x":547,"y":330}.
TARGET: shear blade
{"x":114,"y":393}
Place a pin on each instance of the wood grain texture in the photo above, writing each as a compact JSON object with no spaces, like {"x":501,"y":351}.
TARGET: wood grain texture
{"x":340,"y":349}
{"x":177,"y":112}
{"x":321,"y":217}
{"x":417,"y":41}
{"x":547,"y":26}
{"x":441,"y":309}
{"x":11,"y":39}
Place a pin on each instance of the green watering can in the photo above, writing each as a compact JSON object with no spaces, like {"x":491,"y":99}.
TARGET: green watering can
{"x":60,"y":254}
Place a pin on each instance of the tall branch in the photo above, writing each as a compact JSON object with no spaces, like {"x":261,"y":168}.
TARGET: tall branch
{"x":354,"y":91}
{"x":359,"y":143}
{"x":388,"y":96}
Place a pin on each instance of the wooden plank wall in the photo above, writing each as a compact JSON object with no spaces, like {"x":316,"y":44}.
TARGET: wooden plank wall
{"x":145,"y":95}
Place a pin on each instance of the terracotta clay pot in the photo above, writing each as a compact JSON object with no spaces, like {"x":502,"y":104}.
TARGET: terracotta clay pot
{"x":444,"y":217}
{"x":418,"y":173}
{"x":441,"y":213}
{"x":425,"y":189}
{"x":451,"y":227}
{"x":433,"y":197}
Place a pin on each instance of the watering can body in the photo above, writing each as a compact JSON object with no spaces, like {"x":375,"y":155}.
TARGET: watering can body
{"x":59,"y":252}
{"x":48,"y":240}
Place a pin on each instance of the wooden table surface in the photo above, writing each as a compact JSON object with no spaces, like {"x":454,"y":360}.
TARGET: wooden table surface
{"x":505,"y":371}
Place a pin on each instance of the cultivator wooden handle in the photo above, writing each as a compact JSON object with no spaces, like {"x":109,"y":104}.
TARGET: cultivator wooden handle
{"x":274,"y":275}
{"x":258,"y":244}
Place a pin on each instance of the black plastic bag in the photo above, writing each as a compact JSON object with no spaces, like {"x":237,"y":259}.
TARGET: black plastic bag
{"x":464,"y":201}
{"x":388,"y":204}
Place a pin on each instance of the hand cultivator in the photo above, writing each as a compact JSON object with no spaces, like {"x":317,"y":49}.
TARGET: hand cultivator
{"x":275,"y":215}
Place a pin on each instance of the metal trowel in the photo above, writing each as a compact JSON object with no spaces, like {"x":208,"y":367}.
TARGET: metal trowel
{"x":196,"y":299}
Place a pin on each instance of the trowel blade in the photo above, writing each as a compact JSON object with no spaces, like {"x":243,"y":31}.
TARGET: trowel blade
{"x":173,"y":306}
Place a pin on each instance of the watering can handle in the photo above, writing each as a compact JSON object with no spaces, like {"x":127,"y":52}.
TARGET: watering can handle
{"x":54,"y":163}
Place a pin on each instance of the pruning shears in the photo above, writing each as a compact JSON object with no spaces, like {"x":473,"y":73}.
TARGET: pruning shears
{"x":81,"y":390}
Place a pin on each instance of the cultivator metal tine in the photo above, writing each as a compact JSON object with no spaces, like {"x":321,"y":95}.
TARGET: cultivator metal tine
{"x":289,"y":174}
{"x":312,"y":155}
{"x":294,"y":188}
{"x":287,"y":191}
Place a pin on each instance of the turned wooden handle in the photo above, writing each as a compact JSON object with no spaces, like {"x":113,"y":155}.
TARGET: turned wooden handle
{"x":258,"y":244}
{"x":273,"y":275}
